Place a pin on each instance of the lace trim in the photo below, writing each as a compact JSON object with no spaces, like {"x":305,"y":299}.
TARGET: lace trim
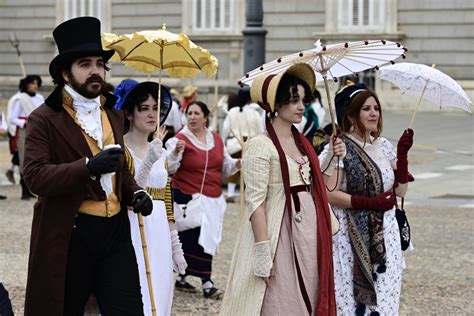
{"x":88,"y":114}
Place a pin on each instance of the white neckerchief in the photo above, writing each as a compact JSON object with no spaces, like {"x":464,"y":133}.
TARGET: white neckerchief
{"x":88,"y":114}
{"x":26,"y":102}
{"x":209,"y":139}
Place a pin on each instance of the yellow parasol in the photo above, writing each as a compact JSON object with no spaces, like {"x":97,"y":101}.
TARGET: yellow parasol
{"x":158,"y":50}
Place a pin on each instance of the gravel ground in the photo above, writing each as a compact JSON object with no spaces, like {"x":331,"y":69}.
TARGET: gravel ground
{"x":438,"y":279}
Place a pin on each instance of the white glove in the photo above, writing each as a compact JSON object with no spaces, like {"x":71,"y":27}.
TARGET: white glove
{"x":263,"y":259}
{"x":153,"y":154}
{"x":330,"y":161}
{"x":179,"y":263}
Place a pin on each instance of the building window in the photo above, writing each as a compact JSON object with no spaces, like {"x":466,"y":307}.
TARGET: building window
{"x":101,"y":9}
{"x":76,"y":8}
{"x":366,"y":15}
{"x":213,"y":15}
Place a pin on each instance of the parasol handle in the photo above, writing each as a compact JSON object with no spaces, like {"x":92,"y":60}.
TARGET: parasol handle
{"x":419,"y":102}
{"x":147,"y":263}
{"x":157,"y":132}
{"x":242,"y":194}
{"x":242,"y":182}
{"x":215,"y":109}
{"x":331,"y":112}
{"x":326,"y":87}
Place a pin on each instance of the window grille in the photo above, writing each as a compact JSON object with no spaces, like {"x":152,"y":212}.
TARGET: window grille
{"x":213,"y":15}
{"x":77,"y":8}
{"x":361,"y":15}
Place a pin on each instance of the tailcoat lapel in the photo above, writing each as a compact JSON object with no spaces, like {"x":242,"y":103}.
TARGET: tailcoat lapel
{"x":67,"y":128}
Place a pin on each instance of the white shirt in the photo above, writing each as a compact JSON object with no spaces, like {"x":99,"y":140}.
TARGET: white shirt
{"x":17,"y":110}
{"x":247,"y":122}
{"x":174,"y":118}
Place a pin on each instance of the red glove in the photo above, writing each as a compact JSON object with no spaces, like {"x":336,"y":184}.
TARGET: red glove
{"x":404,"y":144}
{"x":382,"y":202}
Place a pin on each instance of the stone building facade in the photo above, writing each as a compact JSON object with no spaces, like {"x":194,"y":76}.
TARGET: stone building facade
{"x":436,"y":32}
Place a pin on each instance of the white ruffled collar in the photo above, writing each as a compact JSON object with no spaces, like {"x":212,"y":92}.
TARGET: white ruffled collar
{"x":209,"y":139}
{"x":88,"y":114}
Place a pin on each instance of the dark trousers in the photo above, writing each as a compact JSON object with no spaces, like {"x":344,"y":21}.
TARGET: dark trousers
{"x":5,"y":303}
{"x":101,"y":260}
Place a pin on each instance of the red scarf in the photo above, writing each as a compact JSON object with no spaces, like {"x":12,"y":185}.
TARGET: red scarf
{"x":325,"y":301}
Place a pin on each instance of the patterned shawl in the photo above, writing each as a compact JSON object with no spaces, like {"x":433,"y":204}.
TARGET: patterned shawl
{"x":363,"y":177}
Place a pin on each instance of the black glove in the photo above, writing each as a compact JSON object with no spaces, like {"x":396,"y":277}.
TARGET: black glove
{"x":142,"y":203}
{"x":104,"y":162}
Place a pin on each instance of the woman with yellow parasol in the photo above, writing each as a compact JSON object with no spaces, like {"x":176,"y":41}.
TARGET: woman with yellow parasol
{"x":147,"y":163}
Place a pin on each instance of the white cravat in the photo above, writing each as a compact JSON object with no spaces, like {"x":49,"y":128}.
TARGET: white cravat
{"x":88,"y":114}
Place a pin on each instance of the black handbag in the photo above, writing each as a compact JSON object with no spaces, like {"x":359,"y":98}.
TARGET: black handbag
{"x":403,"y":227}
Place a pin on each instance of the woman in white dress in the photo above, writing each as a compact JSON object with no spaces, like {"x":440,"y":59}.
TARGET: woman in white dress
{"x":367,"y":255}
{"x":149,"y":167}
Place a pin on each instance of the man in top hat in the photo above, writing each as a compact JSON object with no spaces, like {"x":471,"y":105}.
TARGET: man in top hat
{"x":74,"y":162}
{"x":20,"y":106}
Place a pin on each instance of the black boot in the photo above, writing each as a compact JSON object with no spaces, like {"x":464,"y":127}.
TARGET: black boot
{"x":25,"y":192}
{"x":209,"y":291}
{"x":182,"y":285}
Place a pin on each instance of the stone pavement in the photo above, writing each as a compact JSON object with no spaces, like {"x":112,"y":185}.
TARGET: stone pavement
{"x":438,"y":279}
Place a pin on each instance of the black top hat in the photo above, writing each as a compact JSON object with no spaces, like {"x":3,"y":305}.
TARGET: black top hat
{"x":344,"y":97}
{"x":76,"y":38}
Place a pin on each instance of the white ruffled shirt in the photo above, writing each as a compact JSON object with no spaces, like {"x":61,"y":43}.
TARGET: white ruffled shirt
{"x":87,"y":114}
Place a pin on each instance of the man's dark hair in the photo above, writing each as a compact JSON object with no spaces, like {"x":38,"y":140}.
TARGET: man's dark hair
{"x":58,"y":78}
{"x":29,"y":79}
